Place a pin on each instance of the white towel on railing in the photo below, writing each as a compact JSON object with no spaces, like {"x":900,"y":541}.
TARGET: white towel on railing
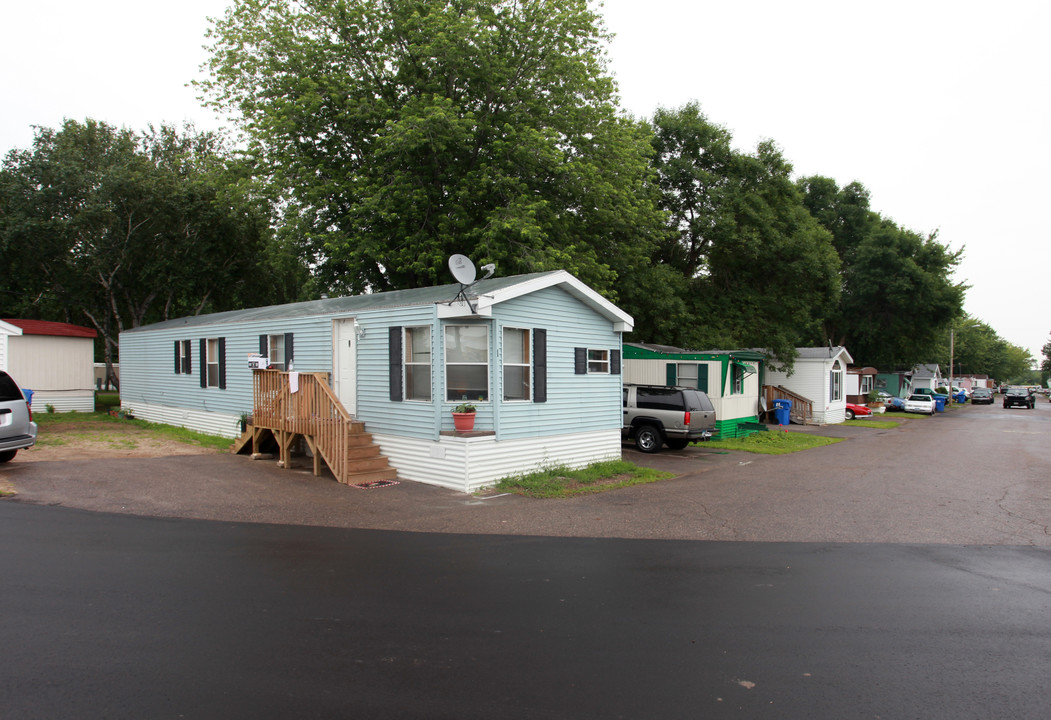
{"x":293,"y":382}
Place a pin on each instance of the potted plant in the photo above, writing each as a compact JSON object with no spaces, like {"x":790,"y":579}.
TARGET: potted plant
{"x":463,"y":417}
{"x":244,"y":420}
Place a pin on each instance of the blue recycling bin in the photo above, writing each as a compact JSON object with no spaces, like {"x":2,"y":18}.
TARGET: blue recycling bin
{"x":939,"y":403}
{"x":783,"y":411}
{"x":28,"y":396}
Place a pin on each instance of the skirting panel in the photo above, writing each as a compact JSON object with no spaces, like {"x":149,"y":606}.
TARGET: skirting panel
{"x":209,"y":423}
{"x":467,"y":464}
{"x":63,"y":402}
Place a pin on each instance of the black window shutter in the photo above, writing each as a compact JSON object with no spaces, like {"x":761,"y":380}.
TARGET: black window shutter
{"x":187,"y":362}
{"x":204,"y":363}
{"x":288,"y":351}
{"x":222,"y":363}
{"x":264,"y":346}
{"x":671,"y":377}
{"x":614,"y":362}
{"x":539,"y":366}
{"x":580,"y":361}
{"x":178,"y":361}
{"x":394,"y":355}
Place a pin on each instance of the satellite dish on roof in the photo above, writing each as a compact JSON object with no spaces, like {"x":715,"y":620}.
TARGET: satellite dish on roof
{"x":462,"y":269}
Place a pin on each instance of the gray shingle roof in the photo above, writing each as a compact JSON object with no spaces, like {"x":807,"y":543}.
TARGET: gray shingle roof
{"x":342,"y":305}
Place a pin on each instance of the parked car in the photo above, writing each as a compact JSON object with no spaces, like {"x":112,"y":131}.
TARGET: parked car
{"x":854,"y":410}
{"x":656,"y":415}
{"x":982,"y":396}
{"x":1019,"y":396}
{"x":894,"y":403}
{"x":17,"y":429}
{"x":920,"y":403}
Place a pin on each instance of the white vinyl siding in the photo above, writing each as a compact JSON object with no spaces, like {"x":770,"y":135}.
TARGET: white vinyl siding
{"x":59,"y":369}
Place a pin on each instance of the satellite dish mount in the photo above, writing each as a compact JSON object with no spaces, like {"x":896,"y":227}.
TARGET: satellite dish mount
{"x":464,"y":271}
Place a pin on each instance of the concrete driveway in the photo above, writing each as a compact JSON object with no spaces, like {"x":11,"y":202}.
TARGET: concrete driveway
{"x":977,"y":475}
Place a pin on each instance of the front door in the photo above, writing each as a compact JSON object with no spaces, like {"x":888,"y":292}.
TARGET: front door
{"x":344,"y":363}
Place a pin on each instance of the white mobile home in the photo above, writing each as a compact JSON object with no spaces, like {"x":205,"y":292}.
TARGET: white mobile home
{"x":538,"y":355}
{"x":53,"y":359}
{"x":819,"y":374}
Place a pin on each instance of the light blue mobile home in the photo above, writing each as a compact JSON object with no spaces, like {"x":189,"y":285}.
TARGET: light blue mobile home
{"x":539,"y":356}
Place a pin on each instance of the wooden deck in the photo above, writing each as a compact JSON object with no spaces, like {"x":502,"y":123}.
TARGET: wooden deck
{"x":314,"y":413}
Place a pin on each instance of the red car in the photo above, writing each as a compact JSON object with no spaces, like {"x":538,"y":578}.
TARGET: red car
{"x":856,"y":411}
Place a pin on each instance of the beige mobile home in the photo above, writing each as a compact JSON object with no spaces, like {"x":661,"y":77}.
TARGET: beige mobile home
{"x":55,"y":360}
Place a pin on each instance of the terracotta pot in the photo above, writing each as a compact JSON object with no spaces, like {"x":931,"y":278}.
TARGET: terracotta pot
{"x":464,"y":422}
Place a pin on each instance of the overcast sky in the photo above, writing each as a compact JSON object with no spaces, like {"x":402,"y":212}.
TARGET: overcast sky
{"x":941,"y":109}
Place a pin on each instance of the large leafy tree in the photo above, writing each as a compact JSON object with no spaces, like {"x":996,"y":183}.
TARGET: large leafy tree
{"x":898,"y":296}
{"x":397,"y":132}
{"x":111,"y":228}
{"x":975,"y":348}
{"x":760,"y":270}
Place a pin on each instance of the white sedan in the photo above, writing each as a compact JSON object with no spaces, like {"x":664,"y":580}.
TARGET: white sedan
{"x":920,"y":404}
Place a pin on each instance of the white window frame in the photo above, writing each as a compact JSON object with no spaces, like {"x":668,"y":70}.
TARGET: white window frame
{"x":736,"y":379}
{"x":271,"y":342}
{"x":410,"y":362}
{"x":527,"y":345}
{"x":835,"y":387}
{"x":186,"y":357}
{"x":212,"y":371}
{"x":679,"y":376}
{"x":448,"y":389}
{"x":598,"y":361}
{"x":866,"y":384}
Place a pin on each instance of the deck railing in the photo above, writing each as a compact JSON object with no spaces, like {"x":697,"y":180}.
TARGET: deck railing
{"x":802,"y":411}
{"x":312,"y":411}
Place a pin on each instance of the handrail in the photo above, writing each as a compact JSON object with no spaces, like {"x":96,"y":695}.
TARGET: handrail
{"x":313,"y":410}
{"x":802,"y":407}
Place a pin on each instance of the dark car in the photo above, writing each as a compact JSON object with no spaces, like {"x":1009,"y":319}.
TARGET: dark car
{"x":17,"y":429}
{"x":657,"y":414}
{"x":982,"y":396}
{"x":1019,"y":397}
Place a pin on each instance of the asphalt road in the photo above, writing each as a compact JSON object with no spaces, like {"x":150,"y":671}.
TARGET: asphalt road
{"x":116,"y":616}
{"x":898,"y":574}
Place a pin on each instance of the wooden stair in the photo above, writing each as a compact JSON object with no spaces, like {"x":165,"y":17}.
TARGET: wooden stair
{"x":314,"y":413}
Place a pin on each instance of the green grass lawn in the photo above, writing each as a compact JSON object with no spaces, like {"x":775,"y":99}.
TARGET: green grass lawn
{"x":772,"y":442}
{"x":559,"y":482}
{"x":95,"y":424}
{"x":882,"y":424}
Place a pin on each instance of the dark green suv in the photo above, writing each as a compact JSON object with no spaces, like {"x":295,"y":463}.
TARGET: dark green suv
{"x":656,"y":415}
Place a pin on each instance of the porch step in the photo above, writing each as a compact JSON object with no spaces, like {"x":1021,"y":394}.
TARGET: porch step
{"x":242,"y":442}
{"x":362,"y":452}
{"x":357,"y":478}
{"x":367,"y":464}
{"x":359,"y":439}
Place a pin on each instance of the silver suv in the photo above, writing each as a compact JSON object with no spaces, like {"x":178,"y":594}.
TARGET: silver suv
{"x":673,"y":416}
{"x":17,"y":429}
